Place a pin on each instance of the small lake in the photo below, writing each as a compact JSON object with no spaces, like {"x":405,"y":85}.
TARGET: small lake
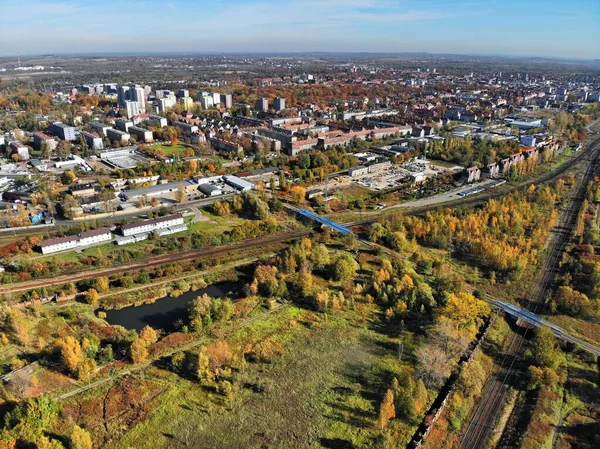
{"x":164,"y":312}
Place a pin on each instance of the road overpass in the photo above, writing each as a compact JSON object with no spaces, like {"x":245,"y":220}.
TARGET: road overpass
{"x":324,"y":221}
{"x":537,"y":321}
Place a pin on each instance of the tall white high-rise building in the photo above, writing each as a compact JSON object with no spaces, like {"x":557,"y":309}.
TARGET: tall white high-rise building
{"x":123,"y":95}
{"x":226,"y":100}
{"x":207,"y":101}
{"x":132,"y":107}
{"x":138,"y":94}
{"x":279,"y":104}
{"x":166,"y":102}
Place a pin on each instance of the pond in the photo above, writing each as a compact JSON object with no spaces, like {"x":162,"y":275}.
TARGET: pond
{"x":165,"y":312}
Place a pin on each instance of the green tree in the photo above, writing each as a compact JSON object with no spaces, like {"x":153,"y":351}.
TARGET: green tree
{"x":320,"y":256}
{"x":544,"y":350}
{"x":344,"y":268}
{"x":69,"y":203}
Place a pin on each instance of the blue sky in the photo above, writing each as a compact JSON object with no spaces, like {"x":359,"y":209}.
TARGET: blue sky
{"x":569,"y":28}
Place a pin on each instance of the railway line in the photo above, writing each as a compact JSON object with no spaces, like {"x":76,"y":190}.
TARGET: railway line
{"x":210,"y":252}
{"x":495,"y":392}
{"x":153,"y":262}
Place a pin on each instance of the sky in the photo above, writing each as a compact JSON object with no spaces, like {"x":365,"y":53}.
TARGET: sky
{"x":548,"y":28}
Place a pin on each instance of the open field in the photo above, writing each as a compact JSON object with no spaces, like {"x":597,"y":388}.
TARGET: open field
{"x":169,"y":150}
{"x":320,"y":393}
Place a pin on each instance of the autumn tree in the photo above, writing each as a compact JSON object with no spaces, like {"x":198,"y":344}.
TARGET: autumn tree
{"x":298,"y":194}
{"x":149,"y":335}
{"x":92,"y":297}
{"x":101,"y":284}
{"x":465,"y":312}
{"x":80,"y":438}
{"x":539,"y":377}
{"x":44,"y":442}
{"x":68,"y":177}
{"x":138,"y":350}
{"x":433,"y":363}
{"x":386,"y":410}
{"x":173,"y":135}
{"x":70,"y":353}
{"x":180,"y":194}
{"x":86,"y":369}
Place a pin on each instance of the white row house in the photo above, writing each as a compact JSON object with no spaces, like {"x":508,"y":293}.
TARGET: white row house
{"x":74,"y":241}
{"x":152,"y":225}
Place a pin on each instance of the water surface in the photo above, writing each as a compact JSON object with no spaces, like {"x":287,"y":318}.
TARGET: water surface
{"x":164,"y":312}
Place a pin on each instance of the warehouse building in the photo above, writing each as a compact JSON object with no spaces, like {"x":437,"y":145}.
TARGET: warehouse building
{"x":210,"y":189}
{"x":159,"y":189}
{"x":359,"y":170}
{"x":238,"y":183}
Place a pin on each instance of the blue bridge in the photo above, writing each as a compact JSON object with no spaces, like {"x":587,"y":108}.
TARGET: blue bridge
{"x":538,"y":321}
{"x":324,"y":221}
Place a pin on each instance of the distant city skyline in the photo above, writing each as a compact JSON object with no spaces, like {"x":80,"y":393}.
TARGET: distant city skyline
{"x":550,"y":28}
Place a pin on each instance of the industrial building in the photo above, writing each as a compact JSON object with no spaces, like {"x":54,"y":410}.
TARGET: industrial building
{"x":238,"y":183}
{"x":210,"y":189}
{"x":159,"y":189}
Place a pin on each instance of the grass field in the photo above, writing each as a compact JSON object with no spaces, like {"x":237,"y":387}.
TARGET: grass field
{"x":168,"y":150}
{"x":323,"y":391}
{"x":579,"y":423}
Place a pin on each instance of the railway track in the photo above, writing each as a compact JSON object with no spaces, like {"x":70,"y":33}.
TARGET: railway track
{"x":495,"y":392}
{"x":209,"y":252}
{"x":153,"y":262}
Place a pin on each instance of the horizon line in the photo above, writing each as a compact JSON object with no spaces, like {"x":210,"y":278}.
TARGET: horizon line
{"x":307,"y":52}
